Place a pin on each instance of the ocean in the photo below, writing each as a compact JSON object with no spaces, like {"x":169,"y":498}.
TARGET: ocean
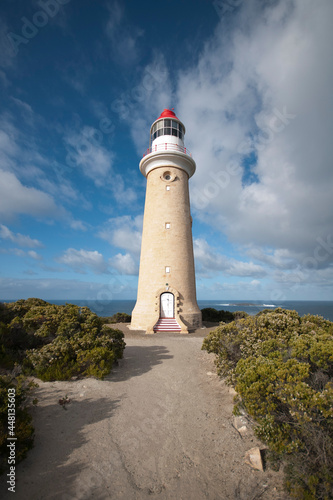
{"x":108,"y":308}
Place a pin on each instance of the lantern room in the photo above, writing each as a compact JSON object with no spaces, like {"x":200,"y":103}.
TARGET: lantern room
{"x":166,"y":146}
{"x":167,"y":129}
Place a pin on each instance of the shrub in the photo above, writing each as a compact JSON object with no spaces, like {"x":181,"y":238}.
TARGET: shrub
{"x":213,"y":315}
{"x":282,"y":368}
{"x":57,"y":342}
{"x":14,"y":341}
{"x":54,"y":343}
{"x":82,"y":353}
{"x":240,"y":314}
{"x":120,"y":317}
{"x":24,"y":431}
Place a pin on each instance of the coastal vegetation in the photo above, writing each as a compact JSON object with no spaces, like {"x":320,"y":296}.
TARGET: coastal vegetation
{"x":281,"y":365}
{"x":119,"y":317}
{"x":57,"y":342}
{"x":211,"y":315}
{"x":50,"y":342}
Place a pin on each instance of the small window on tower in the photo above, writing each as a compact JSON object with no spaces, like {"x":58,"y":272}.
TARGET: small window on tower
{"x":167,"y":225}
{"x":167,"y":269}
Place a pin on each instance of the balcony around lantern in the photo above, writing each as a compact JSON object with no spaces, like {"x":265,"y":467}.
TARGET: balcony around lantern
{"x":167,"y":146}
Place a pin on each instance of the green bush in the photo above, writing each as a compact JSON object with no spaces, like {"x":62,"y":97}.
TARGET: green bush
{"x":53,"y":343}
{"x":282,"y":369}
{"x":240,"y":314}
{"x":214,"y":316}
{"x":119,"y":317}
{"x":57,"y":342}
{"x":82,"y":353}
{"x":24,"y":431}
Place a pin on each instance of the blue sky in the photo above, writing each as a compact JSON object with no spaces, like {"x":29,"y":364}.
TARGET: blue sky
{"x":82,"y":81}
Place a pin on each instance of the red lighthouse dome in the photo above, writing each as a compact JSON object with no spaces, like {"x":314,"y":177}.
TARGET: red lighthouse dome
{"x":167,"y":113}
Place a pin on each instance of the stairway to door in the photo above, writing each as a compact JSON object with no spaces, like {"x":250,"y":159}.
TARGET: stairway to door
{"x":167,"y":325}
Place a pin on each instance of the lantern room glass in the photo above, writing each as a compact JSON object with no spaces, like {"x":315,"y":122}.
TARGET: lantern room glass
{"x":167,"y":127}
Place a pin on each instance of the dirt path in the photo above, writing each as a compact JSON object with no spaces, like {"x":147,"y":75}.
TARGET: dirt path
{"x":160,"y":426}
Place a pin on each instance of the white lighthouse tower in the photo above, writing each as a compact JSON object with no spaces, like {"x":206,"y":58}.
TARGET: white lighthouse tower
{"x":166,"y":299}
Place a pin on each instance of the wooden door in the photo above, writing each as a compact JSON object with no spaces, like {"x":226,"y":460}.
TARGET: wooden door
{"x":167,"y":305}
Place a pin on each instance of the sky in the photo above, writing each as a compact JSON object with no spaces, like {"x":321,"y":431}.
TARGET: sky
{"x":81,"y":82}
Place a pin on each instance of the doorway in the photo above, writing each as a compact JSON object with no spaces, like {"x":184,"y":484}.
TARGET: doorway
{"x":167,"y":305}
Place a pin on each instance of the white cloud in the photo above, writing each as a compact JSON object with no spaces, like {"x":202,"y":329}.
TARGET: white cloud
{"x":23,"y":105}
{"x":141,"y":106}
{"x":79,"y":260}
{"x":280,"y":259}
{"x":18,"y":252}
{"x":4,"y":79}
{"x":8,"y":137}
{"x":78,"y":225}
{"x":13,"y":251}
{"x":7,"y":49}
{"x":85,"y":150}
{"x":124,"y":264}
{"x":123,"y":195}
{"x":264,"y":79}
{"x":19,"y":239}
{"x":247,"y":290}
{"x":56,"y":289}
{"x":63,"y":189}
{"x":22,"y":164}
{"x":208,"y":261}
{"x":124,"y":47}
{"x":34,"y":255}
{"x":123,"y":232}
{"x":15,"y":198}
{"x":78,"y":74}
{"x":25,"y":113}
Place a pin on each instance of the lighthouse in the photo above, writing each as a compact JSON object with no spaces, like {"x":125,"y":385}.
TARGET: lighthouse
{"x":166,"y":299}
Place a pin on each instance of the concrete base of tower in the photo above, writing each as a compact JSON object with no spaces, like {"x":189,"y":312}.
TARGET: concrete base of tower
{"x":143,"y":317}
{"x":166,"y":303}
{"x":192,"y":320}
{"x":144,"y":321}
{"x":141,"y":322}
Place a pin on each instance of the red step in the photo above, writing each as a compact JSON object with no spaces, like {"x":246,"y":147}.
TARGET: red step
{"x":167,"y":325}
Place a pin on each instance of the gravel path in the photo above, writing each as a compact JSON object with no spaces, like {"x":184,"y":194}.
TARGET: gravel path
{"x":159,"y":426}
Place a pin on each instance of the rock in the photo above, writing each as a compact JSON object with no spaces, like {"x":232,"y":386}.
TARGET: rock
{"x":243,"y":430}
{"x":232,"y":391}
{"x":241,"y":424}
{"x":240,"y":421}
{"x":253,"y":458}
